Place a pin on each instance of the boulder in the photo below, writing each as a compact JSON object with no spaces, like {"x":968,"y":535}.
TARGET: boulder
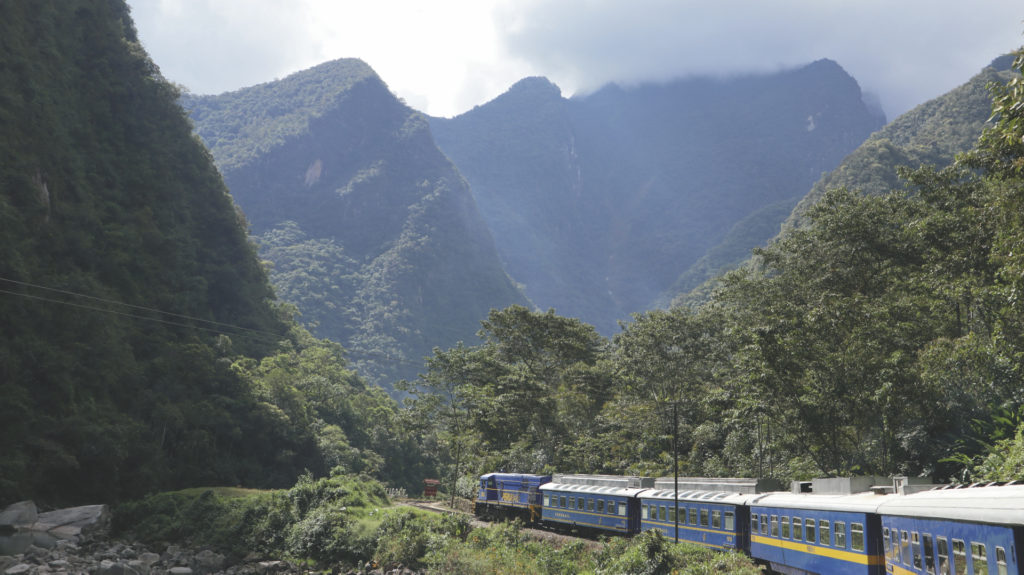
{"x":15,"y":515}
{"x":207,"y":561}
{"x":75,"y":523}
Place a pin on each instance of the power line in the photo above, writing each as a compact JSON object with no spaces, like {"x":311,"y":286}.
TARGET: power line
{"x":225,"y":327}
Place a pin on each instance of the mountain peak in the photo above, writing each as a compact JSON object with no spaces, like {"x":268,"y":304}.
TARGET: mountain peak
{"x":535,"y":84}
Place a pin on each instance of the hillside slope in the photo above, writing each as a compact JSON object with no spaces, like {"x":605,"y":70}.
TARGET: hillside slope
{"x":932,"y":133}
{"x":126,"y":277}
{"x":372,"y":232}
{"x":598,"y":203}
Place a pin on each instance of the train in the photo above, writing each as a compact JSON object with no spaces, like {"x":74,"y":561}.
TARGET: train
{"x":853,"y":525}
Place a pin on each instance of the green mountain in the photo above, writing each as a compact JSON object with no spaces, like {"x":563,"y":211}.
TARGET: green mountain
{"x":372,"y":232}
{"x":600,"y":202}
{"x":930,"y":134}
{"x":126,"y":278}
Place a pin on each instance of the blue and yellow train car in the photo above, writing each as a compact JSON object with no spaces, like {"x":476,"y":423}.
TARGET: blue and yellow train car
{"x":811,"y":534}
{"x":956,"y":531}
{"x":516,"y":494}
{"x":711,"y":518}
{"x":592,"y":505}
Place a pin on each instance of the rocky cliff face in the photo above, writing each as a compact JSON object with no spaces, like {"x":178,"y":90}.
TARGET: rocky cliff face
{"x":598,"y":203}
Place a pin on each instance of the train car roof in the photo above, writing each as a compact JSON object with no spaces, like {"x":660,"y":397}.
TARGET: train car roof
{"x":513,"y":476}
{"x":994,"y":504}
{"x":866,"y":502}
{"x":592,"y":489}
{"x":697,"y":496}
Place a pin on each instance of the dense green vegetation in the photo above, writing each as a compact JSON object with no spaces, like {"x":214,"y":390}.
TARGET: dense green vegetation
{"x":883,"y":336}
{"x":140,"y":346}
{"x":121,"y":257}
{"x":598,"y":203}
{"x":371,"y":232}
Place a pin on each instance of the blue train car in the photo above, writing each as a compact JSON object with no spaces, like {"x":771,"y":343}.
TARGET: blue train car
{"x":595,"y":507}
{"x":510,"y":494}
{"x":802,"y":534}
{"x":964,"y":531}
{"x":710,"y":518}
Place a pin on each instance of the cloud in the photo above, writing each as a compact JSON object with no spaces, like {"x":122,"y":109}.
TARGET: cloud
{"x":906,"y":51}
{"x":212,"y":46}
{"x":445,"y":56}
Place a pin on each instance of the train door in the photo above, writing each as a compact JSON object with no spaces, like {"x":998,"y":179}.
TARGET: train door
{"x":492,"y":489}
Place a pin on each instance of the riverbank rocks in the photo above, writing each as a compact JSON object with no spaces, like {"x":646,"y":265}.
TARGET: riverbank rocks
{"x":22,"y":525}
{"x":75,"y":542}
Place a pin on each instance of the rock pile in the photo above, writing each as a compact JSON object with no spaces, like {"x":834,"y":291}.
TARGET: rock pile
{"x":119,"y":558}
{"x":75,"y":541}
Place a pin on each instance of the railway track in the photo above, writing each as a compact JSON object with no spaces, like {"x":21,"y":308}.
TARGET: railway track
{"x":475,"y":522}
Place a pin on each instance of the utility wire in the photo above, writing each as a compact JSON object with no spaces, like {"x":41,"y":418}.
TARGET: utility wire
{"x":367,"y":355}
{"x":225,"y":327}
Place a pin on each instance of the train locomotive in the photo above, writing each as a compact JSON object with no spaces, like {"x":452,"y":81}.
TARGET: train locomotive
{"x":862,"y":525}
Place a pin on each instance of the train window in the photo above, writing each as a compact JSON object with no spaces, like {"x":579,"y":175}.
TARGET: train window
{"x":547,"y":500}
{"x":643,"y":512}
{"x":622,"y":509}
{"x":682,"y":515}
{"x":894,"y":541}
{"x":572,"y":502}
{"x":764,"y":524}
{"x":943,"y":546}
{"x":600,"y":505}
{"x":1001,"y":560}
{"x":905,"y":547}
{"x":704,"y":517}
{"x":823,"y":532}
{"x":716,"y":519}
{"x":959,"y":557}
{"x":784,"y":523}
{"x":671,"y":515}
{"x":979,"y":558}
{"x":915,"y":549}
{"x":590,"y":504}
{"x":885,"y":543}
{"x":730,"y":521}
{"x":561,"y":501}
{"x":661,"y":513}
{"x":693,"y":516}
{"x":857,"y":536}
{"x":812,"y":535}
{"x":840,"y":529}
{"x":929,"y":559}
{"x":613,"y":508}
{"x":580,"y":503}
{"x":775,"y":525}
{"x":753,"y":522}
{"x":798,"y":529}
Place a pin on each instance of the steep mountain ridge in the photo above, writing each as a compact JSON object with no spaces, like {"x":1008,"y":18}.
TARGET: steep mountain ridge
{"x":931,"y":133}
{"x":599,"y":202}
{"x":128,"y":281}
{"x":329,"y":165}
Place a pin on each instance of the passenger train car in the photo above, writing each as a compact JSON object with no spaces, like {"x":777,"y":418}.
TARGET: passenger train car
{"x":870,"y":526}
{"x":977,"y":530}
{"x":594,"y":503}
{"x":817,"y":533}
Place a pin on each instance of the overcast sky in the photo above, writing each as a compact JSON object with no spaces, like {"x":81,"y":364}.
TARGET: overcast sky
{"x":446,"y":56}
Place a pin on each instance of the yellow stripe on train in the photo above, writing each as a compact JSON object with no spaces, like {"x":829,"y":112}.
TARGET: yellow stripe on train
{"x":848,"y":556}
